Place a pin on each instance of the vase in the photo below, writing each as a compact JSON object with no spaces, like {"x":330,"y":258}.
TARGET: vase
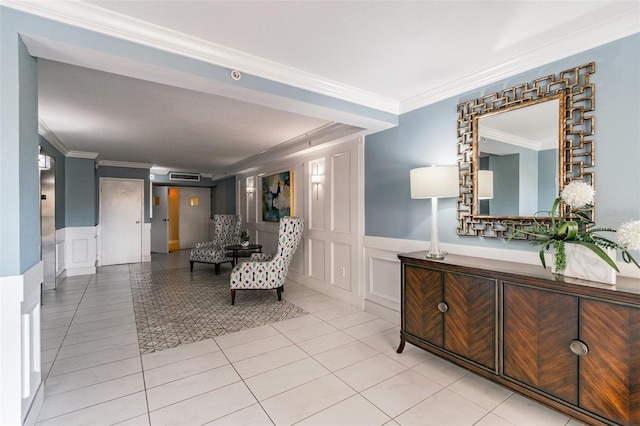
{"x":584,"y":264}
{"x":244,"y":243}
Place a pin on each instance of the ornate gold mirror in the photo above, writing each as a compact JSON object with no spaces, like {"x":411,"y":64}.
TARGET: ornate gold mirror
{"x":535,"y":138}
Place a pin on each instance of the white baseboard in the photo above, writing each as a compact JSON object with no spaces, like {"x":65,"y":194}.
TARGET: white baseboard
{"x":89,"y":270}
{"x":36,"y":406}
{"x":382,"y":311}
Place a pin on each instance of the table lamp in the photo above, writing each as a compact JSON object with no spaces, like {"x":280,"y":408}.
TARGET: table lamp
{"x":434,"y":182}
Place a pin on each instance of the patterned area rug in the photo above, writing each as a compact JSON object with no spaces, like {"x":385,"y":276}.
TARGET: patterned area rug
{"x":176,"y":306}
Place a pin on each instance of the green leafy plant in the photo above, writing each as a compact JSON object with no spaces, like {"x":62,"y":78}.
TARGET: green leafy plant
{"x":244,"y":236}
{"x":577,"y":227}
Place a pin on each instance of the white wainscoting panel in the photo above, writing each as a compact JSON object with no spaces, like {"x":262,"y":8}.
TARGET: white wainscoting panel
{"x":382,"y":274}
{"x":316,"y":259}
{"x":60,"y":254}
{"x":297,"y":263}
{"x":80,"y":250}
{"x":385,"y":278}
{"x":332,"y":216}
{"x":341,"y":265}
{"x":20,"y":366}
{"x":341,"y":188}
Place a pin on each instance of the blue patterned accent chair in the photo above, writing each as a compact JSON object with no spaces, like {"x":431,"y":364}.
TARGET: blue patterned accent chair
{"x":265,"y":271}
{"x":226,"y":232}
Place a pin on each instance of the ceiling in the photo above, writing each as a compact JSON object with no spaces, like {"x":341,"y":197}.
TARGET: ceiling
{"x":393,"y":56}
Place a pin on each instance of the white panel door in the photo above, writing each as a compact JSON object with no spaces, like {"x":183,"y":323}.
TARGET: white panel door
{"x":160,"y":220}
{"x":121,"y":217}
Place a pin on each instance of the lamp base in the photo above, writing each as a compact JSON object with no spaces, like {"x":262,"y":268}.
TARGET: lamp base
{"x":437,"y":256}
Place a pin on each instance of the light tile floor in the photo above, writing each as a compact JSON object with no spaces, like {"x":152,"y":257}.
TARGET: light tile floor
{"x":335,"y":366}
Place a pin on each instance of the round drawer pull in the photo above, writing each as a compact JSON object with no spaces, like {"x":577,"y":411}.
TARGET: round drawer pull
{"x":443,"y":307}
{"x":578,"y":348}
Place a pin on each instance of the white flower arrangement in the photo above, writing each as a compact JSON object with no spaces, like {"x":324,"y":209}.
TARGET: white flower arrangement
{"x":629,"y":235}
{"x":576,"y":227}
{"x":578,"y":194}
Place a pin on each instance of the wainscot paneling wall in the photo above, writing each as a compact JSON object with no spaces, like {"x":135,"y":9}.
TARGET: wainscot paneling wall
{"x":395,"y":223}
{"x":329,"y":257}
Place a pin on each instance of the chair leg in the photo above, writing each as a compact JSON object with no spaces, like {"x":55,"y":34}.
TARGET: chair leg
{"x":282,"y":288}
{"x":233,"y":296}
{"x":217,"y":269}
{"x":191,"y":263}
{"x":279,"y":291}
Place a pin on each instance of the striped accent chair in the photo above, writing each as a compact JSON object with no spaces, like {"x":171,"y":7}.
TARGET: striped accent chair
{"x":265,"y":271}
{"x":226,"y":232}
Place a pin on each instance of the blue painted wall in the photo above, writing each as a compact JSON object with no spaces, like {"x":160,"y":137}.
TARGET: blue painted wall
{"x":547,"y":178}
{"x":428,"y":136}
{"x":19,"y":176}
{"x":128,"y":173}
{"x":29,"y":176}
{"x":60,"y":173}
{"x":506,"y":185}
{"x":80,"y":192}
{"x":223,"y":197}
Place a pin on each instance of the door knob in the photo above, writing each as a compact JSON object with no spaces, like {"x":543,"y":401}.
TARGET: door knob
{"x":443,"y":307}
{"x":137,"y":221}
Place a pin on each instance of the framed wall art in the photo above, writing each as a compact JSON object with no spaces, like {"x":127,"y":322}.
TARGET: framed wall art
{"x":277,"y":196}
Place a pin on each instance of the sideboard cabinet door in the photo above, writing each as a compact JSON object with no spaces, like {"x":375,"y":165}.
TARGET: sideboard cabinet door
{"x":610,"y":371}
{"x":470,"y":323}
{"x":538,"y":327}
{"x":422,"y":293}
{"x":455,"y":312}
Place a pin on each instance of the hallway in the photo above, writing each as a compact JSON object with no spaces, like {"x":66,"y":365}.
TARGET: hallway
{"x":335,"y":366}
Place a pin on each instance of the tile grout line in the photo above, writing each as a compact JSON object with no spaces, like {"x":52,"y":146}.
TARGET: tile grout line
{"x":44,"y":380}
{"x":135,"y":320}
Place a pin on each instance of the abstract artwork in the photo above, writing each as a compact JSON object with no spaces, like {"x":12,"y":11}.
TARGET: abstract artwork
{"x":277,"y":200}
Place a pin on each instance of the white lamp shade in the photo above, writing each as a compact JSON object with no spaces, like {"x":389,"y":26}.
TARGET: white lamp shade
{"x":316,"y":178}
{"x":435,"y":182}
{"x":485,"y":184}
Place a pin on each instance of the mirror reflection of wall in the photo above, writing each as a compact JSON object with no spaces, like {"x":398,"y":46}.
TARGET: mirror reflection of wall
{"x":521,"y":148}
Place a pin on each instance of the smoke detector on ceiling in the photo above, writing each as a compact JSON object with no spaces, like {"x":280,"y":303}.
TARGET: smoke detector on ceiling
{"x":236,"y":75}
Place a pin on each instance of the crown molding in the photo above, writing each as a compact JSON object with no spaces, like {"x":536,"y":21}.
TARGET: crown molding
{"x":321,"y":137}
{"x":129,"y":164}
{"x":46,"y":132}
{"x":90,"y":17}
{"x":93,"y":18}
{"x":82,"y":154}
{"x":584,"y":38}
{"x":159,"y":170}
{"x":516,"y":140}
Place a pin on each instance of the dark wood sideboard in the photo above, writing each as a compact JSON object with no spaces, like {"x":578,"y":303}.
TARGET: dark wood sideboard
{"x":572,"y":345}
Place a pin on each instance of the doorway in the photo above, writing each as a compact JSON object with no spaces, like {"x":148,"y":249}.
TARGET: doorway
{"x":121,"y":217}
{"x":160,"y":220}
{"x":48,"y":220}
{"x":180,"y":219}
{"x":174,"y":219}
